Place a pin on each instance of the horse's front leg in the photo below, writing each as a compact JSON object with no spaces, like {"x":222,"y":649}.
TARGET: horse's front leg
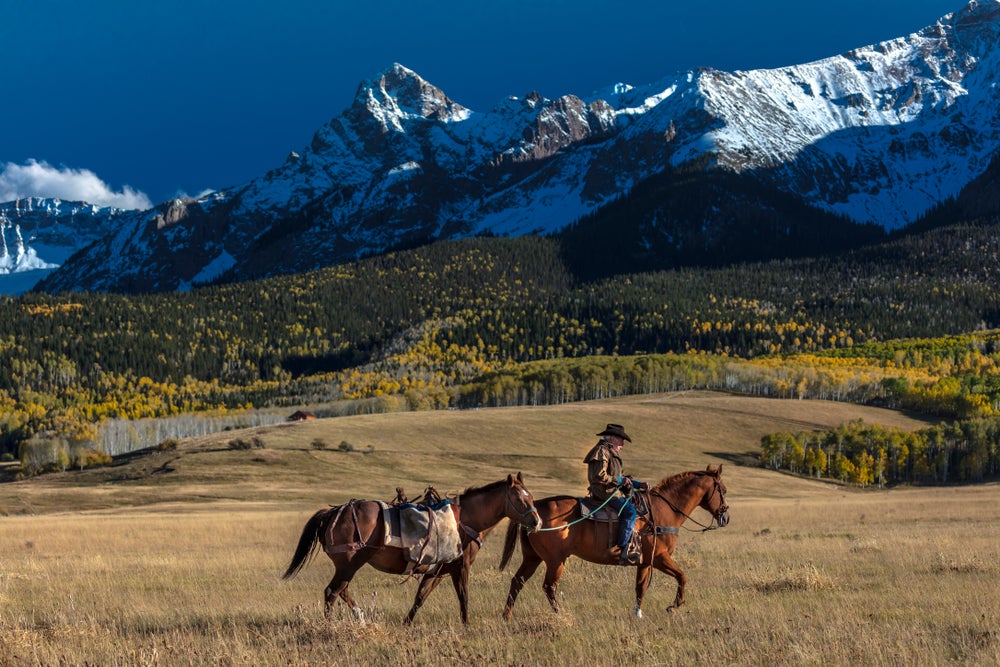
{"x":664,"y":563}
{"x":642,"y":576}
{"x":553,"y":572}
{"x":427,"y":584}
{"x":460,"y":578}
{"x":529,"y":564}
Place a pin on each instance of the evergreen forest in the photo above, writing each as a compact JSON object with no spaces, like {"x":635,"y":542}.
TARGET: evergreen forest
{"x":908,"y":322}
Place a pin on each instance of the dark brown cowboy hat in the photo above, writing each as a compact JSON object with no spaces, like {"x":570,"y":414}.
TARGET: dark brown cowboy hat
{"x":616,"y":429}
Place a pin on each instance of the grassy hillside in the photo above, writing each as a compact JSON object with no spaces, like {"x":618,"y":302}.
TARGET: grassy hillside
{"x":450,"y":449}
{"x":176,"y":558}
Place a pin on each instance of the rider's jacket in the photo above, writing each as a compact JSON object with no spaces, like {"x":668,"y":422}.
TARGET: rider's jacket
{"x":604,"y":470}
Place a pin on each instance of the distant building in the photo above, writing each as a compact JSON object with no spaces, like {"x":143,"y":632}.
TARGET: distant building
{"x":301,"y":416}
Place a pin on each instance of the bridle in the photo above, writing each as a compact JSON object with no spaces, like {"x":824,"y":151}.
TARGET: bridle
{"x":477,"y":537}
{"x":723,"y":508}
{"x":717,"y":515}
{"x":521,"y":514}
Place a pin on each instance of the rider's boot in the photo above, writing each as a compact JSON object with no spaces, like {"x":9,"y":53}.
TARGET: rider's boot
{"x":627,"y":556}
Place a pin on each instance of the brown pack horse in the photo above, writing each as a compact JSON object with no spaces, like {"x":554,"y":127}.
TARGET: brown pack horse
{"x":353,"y":535}
{"x":565,"y":533}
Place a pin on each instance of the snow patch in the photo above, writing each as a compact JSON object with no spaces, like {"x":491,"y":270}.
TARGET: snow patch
{"x":404,"y":168}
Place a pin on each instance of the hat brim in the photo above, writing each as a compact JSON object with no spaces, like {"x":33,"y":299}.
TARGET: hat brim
{"x":621,"y":434}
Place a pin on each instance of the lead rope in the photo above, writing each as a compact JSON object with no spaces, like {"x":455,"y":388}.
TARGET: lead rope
{"x":582,"y":518}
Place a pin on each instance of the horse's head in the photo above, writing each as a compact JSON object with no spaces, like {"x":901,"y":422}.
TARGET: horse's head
{"x":714,"y":500}
{"x":520,"y":505}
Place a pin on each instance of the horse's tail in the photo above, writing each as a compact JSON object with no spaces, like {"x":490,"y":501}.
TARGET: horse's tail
{"x":513,"y":530}
{"x":307,"y":543}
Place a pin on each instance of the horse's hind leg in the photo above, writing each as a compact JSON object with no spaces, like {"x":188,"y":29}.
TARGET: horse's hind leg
{"x":529,"y":564}
{"x":338,"y":588}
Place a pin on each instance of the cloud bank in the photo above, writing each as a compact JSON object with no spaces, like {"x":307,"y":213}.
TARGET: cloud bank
{"x":40,"y":179}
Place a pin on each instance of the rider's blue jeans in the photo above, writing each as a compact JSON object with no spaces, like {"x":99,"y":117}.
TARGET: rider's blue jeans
{"x":626,"y":519}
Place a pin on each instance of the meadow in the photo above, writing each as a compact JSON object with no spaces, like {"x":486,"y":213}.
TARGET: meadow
{"x":174,"y":558}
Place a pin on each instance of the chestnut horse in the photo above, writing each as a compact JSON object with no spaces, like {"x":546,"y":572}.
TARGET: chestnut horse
{"x":354,"y":534}
{"x":566,"y":533}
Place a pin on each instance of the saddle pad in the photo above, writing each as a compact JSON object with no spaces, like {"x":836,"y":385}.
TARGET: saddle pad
{"x":606,"y":514}
{"x":391,"y":520}
{"x":410,"y":527}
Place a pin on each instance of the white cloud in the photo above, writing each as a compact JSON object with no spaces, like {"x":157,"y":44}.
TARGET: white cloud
{"x":40,"y":179}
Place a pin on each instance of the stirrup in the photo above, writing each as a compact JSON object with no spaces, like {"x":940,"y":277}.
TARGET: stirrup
{"x":628,"y":557}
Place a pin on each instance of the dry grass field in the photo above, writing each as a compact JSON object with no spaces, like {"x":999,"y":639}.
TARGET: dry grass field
{"x":175,"y":558}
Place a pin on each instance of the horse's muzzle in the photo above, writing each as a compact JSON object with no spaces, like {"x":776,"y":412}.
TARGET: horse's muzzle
{"x":723,"y":519}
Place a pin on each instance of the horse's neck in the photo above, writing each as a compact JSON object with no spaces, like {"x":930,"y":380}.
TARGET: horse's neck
{"x":478,"y":513}
{"x":686,"y":498}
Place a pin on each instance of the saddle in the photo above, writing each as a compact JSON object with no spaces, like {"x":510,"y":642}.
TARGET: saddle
{"x":589,"y":510}
{"x":609,"y":515}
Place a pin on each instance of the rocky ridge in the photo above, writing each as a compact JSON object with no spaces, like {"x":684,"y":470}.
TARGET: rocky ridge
{"x":880,"y":134}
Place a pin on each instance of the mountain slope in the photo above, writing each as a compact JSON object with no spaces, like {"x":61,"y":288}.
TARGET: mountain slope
{"x":37,"y":234}
{"x":877,"y":135}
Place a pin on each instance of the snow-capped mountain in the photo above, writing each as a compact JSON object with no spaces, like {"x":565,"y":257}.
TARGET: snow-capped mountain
{"x":37,"y":235}
{"x":879,"y":134}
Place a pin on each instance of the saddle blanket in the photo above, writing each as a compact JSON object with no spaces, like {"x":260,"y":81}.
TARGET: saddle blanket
{"x":429,"y":536}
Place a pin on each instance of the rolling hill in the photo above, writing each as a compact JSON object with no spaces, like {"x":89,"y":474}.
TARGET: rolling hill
{"x":449,"y":449}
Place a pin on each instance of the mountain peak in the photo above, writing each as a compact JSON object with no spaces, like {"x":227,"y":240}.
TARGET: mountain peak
{"x":398,"y":93}
{"x":877,"y":135}
{"x":977,"y":23}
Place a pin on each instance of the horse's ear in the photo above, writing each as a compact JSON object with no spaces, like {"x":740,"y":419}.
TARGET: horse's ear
{"x":519,"y":478}
{"x":510,"y":479}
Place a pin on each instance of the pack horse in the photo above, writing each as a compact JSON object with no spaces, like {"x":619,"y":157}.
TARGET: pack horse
{"x":357,"y":534}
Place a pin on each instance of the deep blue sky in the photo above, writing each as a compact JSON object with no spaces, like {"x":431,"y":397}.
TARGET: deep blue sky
{"x":179,"y":96}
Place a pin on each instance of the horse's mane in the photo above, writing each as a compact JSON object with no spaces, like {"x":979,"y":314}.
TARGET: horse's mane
{"x":475,"y":490}
{"x":673,"y":481}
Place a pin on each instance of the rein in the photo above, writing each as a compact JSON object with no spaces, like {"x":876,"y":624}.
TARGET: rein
{"x":704,"y":528}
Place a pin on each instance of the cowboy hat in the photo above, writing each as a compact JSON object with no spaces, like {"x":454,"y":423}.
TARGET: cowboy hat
{"x":616,"y":429}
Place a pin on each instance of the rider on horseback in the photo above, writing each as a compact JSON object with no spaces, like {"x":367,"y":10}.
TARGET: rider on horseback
{"x":604,"y":472}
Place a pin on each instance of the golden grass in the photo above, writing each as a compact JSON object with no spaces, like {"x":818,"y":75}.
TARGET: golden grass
{"x":129,"y":566}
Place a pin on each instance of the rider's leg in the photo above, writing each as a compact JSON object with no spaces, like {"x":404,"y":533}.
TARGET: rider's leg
{"x":626,"y":524}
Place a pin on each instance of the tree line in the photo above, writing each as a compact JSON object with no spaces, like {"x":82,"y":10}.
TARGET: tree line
{"x":962,"y":451}
{"x":506,"y":321}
